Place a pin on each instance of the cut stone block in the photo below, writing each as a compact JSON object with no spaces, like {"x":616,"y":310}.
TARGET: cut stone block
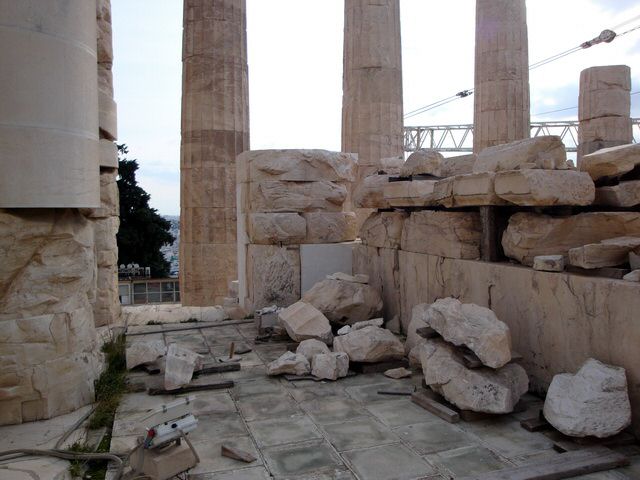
{"x":606,"y":129}
{"x":357,"y":278}
{"x":593,"y":402}
{"x":398,"y":373}
{"x":418,"y":320}
{"x":611,"y":162}
{"x":376,"y":322}
{"x":545,"y":187}
{"x":280,"y":196}
{"x":273,"y":275}
{"x":142,"y":352}
{"x":392,"y":165}
{"x":475,"y":189}
{"x":529,"y":234}
{"x":298,"y":165}
{"x":447,"y":234}
{"x":625,"y":194}
{"x":330,"y":366}
{"x":432,"y":162}
{"x":632,"y":276}
{"x":312,"y":347}
{"x":549,"y":263}
{"x":480,"y":389}
{"x":417,"y":193}
{"x":327,"y":227}
{"x":108,"y":154}
{"x":370,"y":345}
{"x":608,"y":253}
{"x":276,"y":228}
{"x":289,"y":363}
{"x":369,"y":192}
{"x":604,"y":103}
{"x":179,"y":367}
{"x":343,"y":302}
{"x":606,"y":77}
{"x":303,"y":321}
{"x":383,"y":229}
{"x":546,"y":152}
{"x":474,"y":326}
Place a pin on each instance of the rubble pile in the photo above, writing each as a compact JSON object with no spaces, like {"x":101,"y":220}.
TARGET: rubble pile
{"x":288,"y":198}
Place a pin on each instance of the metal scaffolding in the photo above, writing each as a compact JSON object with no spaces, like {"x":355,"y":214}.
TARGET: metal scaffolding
{"x":459,"y":138}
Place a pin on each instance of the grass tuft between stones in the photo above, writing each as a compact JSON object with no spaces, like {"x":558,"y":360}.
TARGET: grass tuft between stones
{"x":111,"y":384}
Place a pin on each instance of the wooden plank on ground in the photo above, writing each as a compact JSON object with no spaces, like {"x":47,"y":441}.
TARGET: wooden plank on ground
{"x":192,"y":388}
{"x":566,"y":465}
{"x":535,"y":424}
{"x":426,"y":401}
{"x":211,"y":368}
{"x":397,"y":391}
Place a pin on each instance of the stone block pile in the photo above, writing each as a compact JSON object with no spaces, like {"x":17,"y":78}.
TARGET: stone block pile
{"x":288,"y":198}
{"x":493,"y":386}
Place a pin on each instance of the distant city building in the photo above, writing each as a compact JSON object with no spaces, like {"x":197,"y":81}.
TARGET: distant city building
{"x":170,"y":252}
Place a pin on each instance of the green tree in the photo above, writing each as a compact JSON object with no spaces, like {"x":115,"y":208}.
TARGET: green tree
{"x":142,"y":230}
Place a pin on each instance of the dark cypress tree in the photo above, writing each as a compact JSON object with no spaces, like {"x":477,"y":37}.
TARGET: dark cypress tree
{"x":142,"y":230}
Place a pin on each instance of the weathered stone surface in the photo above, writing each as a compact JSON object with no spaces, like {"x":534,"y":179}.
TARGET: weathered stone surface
{"x":303,"y":321}
{"x":312,"y":347}
{"x":608,"y":253}
{"x":273,"y":275}
{"x":144,"y":352}
{"x":432,"y":162}
{"x":369,"y":192}
{"x":280,"y":196}
{"x":593,"y":402}
{"x":330,"y":366}
{"x":344,"y":330}
{"x":603,"y":132}
{"x":289,"y":363}
{"x":548,"y":263}
{"x":357,"y":278}
{"x":297,"y":165}
{"x":343,"y":302}
{"x":370,"y":345}
{"x":406,"y":193}
{"x":448,"y":234}
{"x":474,"y":326}
{"x":383,"y":229}
{"x":604,"y":92}
{"x":276,"y":228}
{"x":625,"y":194}
{"x":375,"y":322}
{"x":179,"y":367}
{"x":545,"y":187}
{"x":634,"y":259}
{"x":480,"y":389}
{"x":391,"y":165}
{"x":474,"y":189}
{"x":418,"y":320}
{"x":611,"y":162}
{"x":633,"y":276}
{"x":170,"y":313}
{"x":529,"y":234}
{"x":329,"y":227}
{"x":546,"y":152}
{"x":397,"y":373}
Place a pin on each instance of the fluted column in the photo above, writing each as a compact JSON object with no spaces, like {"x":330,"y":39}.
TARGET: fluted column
{"x":501,"y":113}
{"x":372,"y":82}
{"x":215,"y":129}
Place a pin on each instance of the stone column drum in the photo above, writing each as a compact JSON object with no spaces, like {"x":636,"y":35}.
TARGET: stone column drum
{"x":49,"y":357}
{"x":372,"y":115}
{"x":604,"y":109}
{"x":501,"y":109}
{"x":215,"y":129}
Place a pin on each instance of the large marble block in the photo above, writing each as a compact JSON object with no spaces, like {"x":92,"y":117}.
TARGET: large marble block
{"x":611,"y":162}
{"x":383,"y":229}
{"x":432,"y":162}
{"x":546,"y":152}
{"x":407,"y":193}
{"x":448,"y":234}
{"x":625,"y":194}
{"x":330,"y":227}
{"x":276,"y":228}
{"x":474,"y":189}
{"x":545,"y":187}
{"x":369,"y":192}
{"x":273,"y":275}
{"x":281,"y":196}
{"x":608,"y":253}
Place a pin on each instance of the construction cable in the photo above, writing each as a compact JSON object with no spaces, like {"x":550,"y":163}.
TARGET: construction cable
{"x":73,"y":428}
{"x":65,"y":455}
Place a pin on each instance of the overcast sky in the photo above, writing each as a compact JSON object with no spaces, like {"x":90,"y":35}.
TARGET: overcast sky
{"x":295,"y":70}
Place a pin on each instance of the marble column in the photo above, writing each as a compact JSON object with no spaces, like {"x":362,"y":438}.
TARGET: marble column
{"x":501,"y":109}
{"x":215,"y":129}
{"x":604,"y":109}
{"x":372,"y":115}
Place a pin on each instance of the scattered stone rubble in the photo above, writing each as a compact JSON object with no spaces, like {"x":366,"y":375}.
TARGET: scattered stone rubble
{"x":139,"y":353}
{"x":289,"y":363}
{"x":310,"y":348}
{"x":304,"y":321}
{"x":593,"y":402}
{"x":369,"y":345}
{"x":330,"y":366}
{"x":179,"y":366}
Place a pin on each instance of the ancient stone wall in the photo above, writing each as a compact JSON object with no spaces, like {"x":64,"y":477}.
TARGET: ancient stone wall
{"x":215,"y":129}
{"x":604,"y":109}
{"x":288,"y":198}
{"x":501,"y":94}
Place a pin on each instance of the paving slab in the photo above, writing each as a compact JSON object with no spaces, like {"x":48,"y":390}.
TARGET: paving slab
{"x":279,"y":431}
{"x":301,"y":459}
{"x":310,"y":390}
{"x":142,"y":402}
{"x":369,"y":393}
{"x":218,"y":425}
{"x":251,"y":473}
{"x":222,"y":335}
{"x":211,"y":459}
{"x":31,"y":468}
{"x":245,"y":372}
{"x":267,"y":405}
{"x":466,"y":461}
{"x":269,"y":353}
{"x":361,"y":433}
{"x":334,"y":409}
{"x":509,"y":439}
{"x":212,"y":402}
{"x":400,"y":411}
{"x":257,"y":386}
{"x":432,"y":437}
{"x":388,"y":462}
